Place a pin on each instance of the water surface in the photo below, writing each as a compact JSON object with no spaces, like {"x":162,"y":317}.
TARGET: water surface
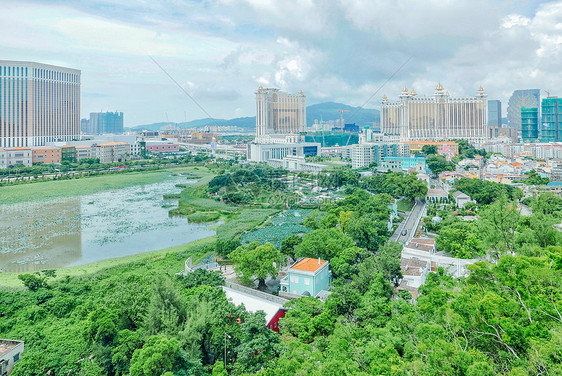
{"x":93,"y":227}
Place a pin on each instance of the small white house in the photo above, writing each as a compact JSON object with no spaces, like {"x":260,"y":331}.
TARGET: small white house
{"x":461,"y":199}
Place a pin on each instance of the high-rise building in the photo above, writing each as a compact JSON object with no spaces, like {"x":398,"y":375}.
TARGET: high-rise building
{"x":521,"y":98}
{"x":530,"y":123}
{"x":435,"y":118}
{"x":39,"y":103}
{"x":279,"y":113}
{"x":84,"y":125}
{"x":105,"y":122}
{"x":551,"y":126}
{"x":494,"y":113}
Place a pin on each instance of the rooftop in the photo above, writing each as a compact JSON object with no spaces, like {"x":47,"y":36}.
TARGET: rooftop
{"x":252,"y":303}
{"x":7,"y":345}
{"x":309,"y":264}
{"x":19,"y":148}
{"x":112,"y":143}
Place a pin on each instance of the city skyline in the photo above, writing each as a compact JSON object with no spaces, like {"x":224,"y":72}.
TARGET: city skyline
{"x":221,"y":52}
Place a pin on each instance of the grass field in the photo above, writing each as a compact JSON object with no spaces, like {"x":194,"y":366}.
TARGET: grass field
{"x":194,"y":249}
{"x":405,"y":205}
{"x":88,"y":185}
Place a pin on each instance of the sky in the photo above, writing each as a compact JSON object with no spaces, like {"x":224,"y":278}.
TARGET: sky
{"x":221,"y":51}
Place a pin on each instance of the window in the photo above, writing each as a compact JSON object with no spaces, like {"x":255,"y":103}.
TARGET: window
{"x":16,"y":357}
{"x":307,"y":281}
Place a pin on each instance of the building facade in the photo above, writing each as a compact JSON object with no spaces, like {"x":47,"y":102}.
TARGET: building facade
{"x":111,"y":152}
{"x":435,"y":118}
{"x":494,"y":113}
{"x":521,"y":98}
{"x":39,"y":103}
{"x":105,"y":122}
{"x":529,"y":123}
{"x":46,"y":155}
{"x":551,"y":125}
{"x":265,"y":152}
{"x":307,"y":277}
{"x":403,"y":164}
{"x":10,"y":353}
{"x":362,"y":155}
{"x":279,"y":113}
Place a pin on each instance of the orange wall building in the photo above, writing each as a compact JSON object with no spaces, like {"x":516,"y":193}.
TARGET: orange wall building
{"x":47,"y":155}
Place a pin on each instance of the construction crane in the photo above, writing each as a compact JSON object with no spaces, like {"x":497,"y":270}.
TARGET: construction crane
{"x":341,"y":118}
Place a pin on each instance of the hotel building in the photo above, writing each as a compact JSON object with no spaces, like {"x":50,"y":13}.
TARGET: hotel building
{"x":39,"y":103}
{"x":279,"y":113}
{"x":435,"y":118}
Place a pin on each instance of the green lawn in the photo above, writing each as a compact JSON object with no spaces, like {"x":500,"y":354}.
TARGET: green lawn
{"x":87,"y":185}
{"x":405,"y":205}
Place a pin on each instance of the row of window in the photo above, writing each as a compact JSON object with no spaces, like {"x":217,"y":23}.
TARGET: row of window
{"x":39,"y":73}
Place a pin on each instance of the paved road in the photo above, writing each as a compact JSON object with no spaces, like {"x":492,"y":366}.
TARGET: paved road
{"x":410,"y":223}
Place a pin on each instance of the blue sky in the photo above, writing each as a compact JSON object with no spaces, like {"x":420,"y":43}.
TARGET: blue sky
{"x":221,"y":51}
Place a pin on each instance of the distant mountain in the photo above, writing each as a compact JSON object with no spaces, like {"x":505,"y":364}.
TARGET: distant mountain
{"x":329,"y":111}
{"x":321,"y":111}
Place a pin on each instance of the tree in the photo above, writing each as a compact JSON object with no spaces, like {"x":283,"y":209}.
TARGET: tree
{"x":429,"y":149}
{"x":437,"y":164}
{"x":166,"y":311}
{"x":498,"y":225}
{"x":460,"y":239}
{"x":254,"y":261}
{"x":158,"y":355}
{"x":367,"y":231}
{"x":323,"y":243}
{"x":288,"y":245}
{"x":32,"y":282}
{"x":202,"y":277}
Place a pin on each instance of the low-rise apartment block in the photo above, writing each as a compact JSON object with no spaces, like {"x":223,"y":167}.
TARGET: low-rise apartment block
{"x":111,"y":152}
{"x":46,"y":155}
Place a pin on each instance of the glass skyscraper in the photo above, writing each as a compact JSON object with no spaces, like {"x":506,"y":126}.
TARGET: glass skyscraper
{"x":521,"y":98}
{"x":530,"y":123}
{"x":551,"y":125}
{"x":494,"y":113}
{"x":105,"y":122}
{"x":39,"y":103}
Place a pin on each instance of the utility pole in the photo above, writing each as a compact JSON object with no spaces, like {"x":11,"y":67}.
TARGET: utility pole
{"x":225,"y":335}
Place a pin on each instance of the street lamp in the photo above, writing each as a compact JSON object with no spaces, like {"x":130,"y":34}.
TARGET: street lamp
{"x":225,"y":335}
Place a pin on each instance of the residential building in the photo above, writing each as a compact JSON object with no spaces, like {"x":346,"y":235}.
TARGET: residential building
{"x":265,"y":152}
{"x":3,"y":159}
{"x":551,"y":125}
{"x":46,"y":155}
{"x":111,"y":152}
{"x":435,"y":118}
{"x":10,"y":354}
{"x":83,"y":152}
{"x":279,"y":113}
{"x":403,"y":164}
{"x":254,"y":301}
{"x":307,"y":277}
{"x":529,"y":123}
{"x":461,"y":199}
{"x":521,"y":98}
{"x":17,"y":156}
{"x":555,"y":173}
{"x":39,"y":103}
{"x":494,"y":113}
{"x":84,"y":125}
{"x":362,"y":155}
{"x":105,"y":122}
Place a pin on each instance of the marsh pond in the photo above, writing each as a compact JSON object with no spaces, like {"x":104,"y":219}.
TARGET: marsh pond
{"x":77,"y":230}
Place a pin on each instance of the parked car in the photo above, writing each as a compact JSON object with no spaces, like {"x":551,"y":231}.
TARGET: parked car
{"x":404,"y":232}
